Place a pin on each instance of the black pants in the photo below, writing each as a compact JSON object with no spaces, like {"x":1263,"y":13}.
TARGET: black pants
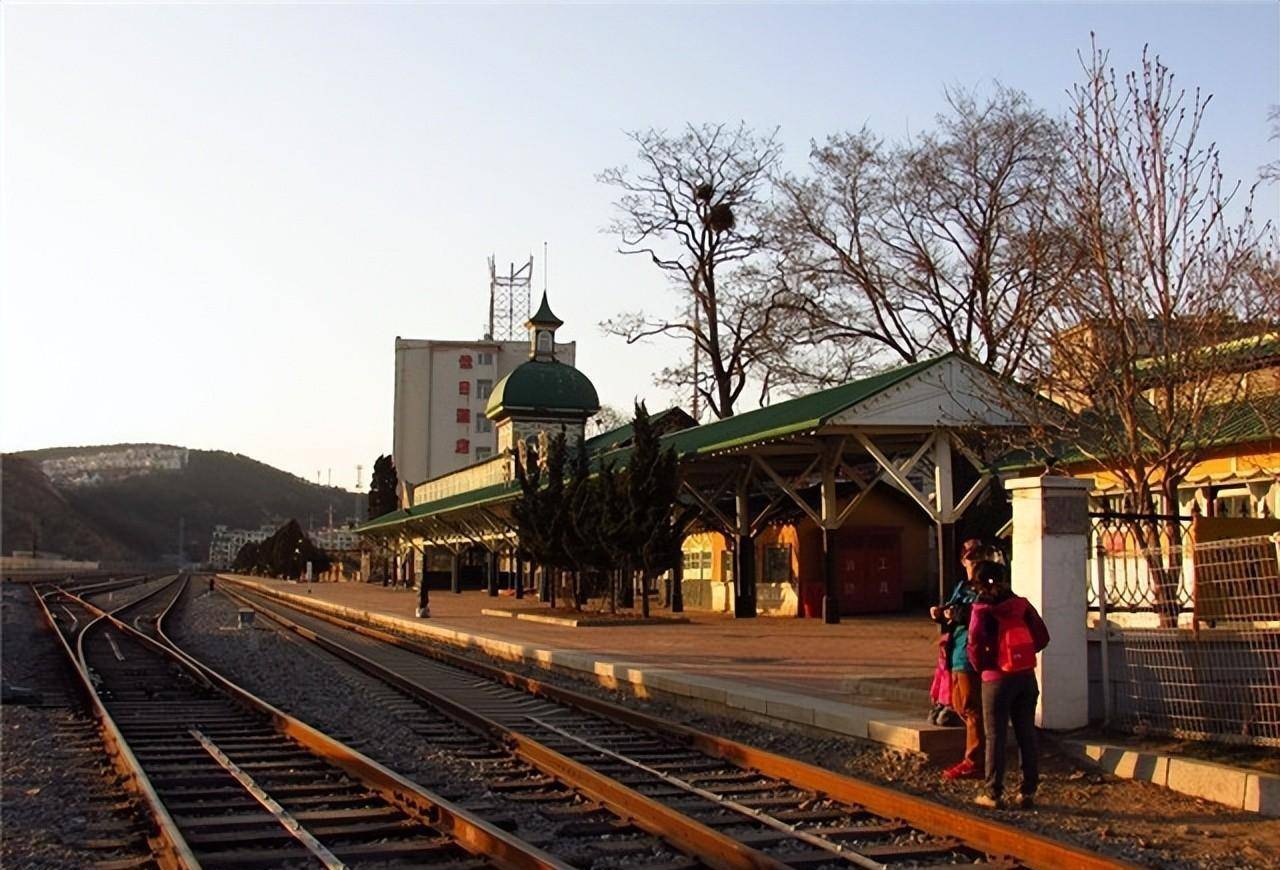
{"x":1012,"y":697}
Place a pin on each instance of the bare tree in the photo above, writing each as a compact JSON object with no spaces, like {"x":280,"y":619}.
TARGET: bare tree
{"x":1271,"y":171}
{"x":606,"y":419}
{"x":953,"y":241}
{"x":692,"y":207}
{"x":1152,"y":341}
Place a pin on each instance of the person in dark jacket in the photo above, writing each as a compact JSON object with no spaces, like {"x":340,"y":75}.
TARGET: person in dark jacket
{"x":1005,"y":635}
{"x":966,"y":693}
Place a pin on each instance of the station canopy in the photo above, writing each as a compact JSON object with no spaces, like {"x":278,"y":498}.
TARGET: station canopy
{"x":819,"y":454}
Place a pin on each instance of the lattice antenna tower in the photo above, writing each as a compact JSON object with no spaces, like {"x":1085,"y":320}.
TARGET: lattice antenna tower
{"x":509,"y":300}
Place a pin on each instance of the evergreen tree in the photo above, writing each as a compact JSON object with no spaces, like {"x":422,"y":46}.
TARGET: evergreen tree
{"x":284,"y":554}
{"x":541,"y":510}
{"x":651,"y":535}
{"x":246,"y":558}
{"x":382,"y":487}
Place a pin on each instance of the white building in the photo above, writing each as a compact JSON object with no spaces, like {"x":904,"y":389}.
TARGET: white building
{"x":226,"y":543}
{"x":442,"y":388}
{"x":335,"y":539}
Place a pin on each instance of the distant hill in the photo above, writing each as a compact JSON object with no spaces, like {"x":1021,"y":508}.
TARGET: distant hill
{"x":137,"y":512}
{"x":37,"y":516}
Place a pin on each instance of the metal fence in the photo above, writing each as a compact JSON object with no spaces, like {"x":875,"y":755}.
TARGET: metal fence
{"x":1192,"y":641}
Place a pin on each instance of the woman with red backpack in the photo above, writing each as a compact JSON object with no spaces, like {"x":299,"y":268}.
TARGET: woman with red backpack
{"x":1005,"y":634}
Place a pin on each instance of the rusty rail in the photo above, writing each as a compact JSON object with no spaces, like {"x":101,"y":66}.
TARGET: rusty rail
{"x":990,"y":836}
{"x":712,"y":847}
{"x":472,"y":833}
{"x":168,"y":846}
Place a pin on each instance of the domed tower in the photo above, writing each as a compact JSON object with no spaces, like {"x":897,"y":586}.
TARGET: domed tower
{"x":541,"y":394}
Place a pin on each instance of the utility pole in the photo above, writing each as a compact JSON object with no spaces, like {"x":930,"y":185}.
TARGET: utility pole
{"x":330,"y":483}
{"x":356,"y":503}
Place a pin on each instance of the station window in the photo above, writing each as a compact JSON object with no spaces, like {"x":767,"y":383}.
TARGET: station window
{"x":464,"y":361}
{"x":486,"y":358}
{"x":464,"y":415}
{"x":483,"y":389}
{"x":483,"y":423}
{"x":463,"y":446}
{"x":777,"y":564}
{"x":726,"y":566}
{"x":1233,"y":503}
{"x":483,"y":453}
{"x":464,"y":388}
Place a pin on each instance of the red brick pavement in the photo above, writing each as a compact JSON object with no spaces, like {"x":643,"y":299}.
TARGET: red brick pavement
{"x":797,"y":655}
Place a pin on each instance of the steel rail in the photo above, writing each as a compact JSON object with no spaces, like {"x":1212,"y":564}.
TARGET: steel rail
{"x":993,"y":837}
{"x":554,"y":763}
{"x":707,"y":844}
{"x":291,"y":825}
{"x":168,"y":847}
{"x":838,"y":850}
{"x":472,"y":833}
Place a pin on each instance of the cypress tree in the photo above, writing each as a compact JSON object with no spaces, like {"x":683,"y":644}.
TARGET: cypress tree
{"x":653,"y":483}
{"x":382,"y":487}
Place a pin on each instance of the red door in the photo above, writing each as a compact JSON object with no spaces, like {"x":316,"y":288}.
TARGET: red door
{"x":869,"y":562}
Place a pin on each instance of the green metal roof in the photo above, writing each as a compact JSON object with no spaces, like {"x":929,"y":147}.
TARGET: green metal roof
{"x":621,"y":434}
{"x":793,"y":416}
{"x":538,"y":385}
{"x":473,"y":498}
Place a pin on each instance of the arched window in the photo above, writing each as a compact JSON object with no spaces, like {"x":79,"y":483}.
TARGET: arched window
{"x":544,"y":341}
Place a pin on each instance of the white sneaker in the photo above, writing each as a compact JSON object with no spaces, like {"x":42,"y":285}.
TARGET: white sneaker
{"x":423,"y":613}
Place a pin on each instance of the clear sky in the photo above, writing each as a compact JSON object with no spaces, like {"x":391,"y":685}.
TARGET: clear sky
{"x":217,"y":219}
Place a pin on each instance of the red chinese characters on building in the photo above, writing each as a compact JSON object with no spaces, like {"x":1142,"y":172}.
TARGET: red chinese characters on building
{"x":464,"y":361}
{"x":464,"y":388}
{"x":464,"y":415}
{"x":463,"y":446}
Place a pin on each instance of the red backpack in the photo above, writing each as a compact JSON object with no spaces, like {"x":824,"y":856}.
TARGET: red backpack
{"x":1015,"y":647}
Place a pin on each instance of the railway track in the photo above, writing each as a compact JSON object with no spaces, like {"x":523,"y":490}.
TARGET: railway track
{"x":232,"y":782}
{"x":701,"y":790}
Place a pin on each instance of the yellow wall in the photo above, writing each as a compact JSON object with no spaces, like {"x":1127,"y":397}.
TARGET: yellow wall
{"x":881,"y":509}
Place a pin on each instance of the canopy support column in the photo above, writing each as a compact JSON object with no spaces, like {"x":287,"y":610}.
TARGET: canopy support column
{"x":455,"y":573}
{"x":744,"y":553}
{"x":491,"y":570}
{"x":945,"y":513}
{"x":831,"y":521}
{"x":424,"y":600}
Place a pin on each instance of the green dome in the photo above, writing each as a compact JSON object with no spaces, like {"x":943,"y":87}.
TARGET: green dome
{"x":538,"y":385}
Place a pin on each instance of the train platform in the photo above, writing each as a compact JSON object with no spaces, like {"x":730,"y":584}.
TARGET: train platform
{"x":866,"y":677}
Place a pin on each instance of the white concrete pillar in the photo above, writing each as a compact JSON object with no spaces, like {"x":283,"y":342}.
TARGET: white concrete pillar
{"x":1050,"y":565}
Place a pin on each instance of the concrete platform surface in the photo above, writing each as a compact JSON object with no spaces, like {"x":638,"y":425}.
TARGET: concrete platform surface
{"x":798,"y":671}
{"x":782,"y":652}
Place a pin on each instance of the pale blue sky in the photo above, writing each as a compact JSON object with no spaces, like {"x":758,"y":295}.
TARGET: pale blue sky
{"x":216,"y":219}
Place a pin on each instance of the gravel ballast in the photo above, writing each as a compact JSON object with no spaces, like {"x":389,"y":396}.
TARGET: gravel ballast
{"x":60,"y":803}
{"x":357,"y":709}
{"x":1127,"y":819}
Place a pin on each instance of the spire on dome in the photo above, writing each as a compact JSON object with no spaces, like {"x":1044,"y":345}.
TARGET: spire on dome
{"x":544,"y":317}
{"x":542,"y":332}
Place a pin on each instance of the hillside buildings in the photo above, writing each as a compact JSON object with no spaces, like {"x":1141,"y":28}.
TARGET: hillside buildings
{"x":117,"y":463}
